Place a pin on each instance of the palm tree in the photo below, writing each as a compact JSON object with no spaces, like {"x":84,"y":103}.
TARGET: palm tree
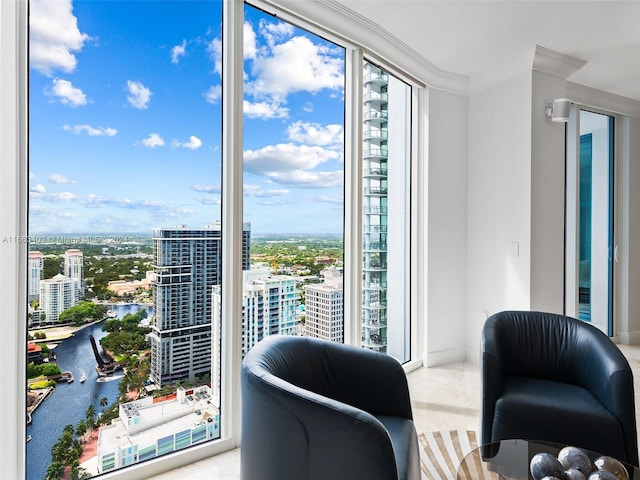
{"x":81,"y":429}
{"x":90,"y":415}
{"x":55,"y":471}
{"x":104,"y":402}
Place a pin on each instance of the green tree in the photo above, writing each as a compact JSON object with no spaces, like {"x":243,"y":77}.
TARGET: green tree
{"x":55,"y":471}
{"x":81,"y":429}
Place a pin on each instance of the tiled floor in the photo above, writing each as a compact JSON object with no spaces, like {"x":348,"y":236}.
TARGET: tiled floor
{"x":444,"y":398}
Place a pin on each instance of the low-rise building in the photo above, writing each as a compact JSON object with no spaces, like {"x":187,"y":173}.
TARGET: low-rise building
{"x":148,"y":428}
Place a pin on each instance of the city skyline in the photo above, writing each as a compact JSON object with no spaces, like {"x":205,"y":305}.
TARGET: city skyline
{"x":125,"y":119}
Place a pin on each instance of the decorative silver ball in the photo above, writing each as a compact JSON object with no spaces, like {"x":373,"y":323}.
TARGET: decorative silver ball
{"x":546,"y":465}
{"x":575,"y":474}
{"x":602,"y":475}
{"x":573,"y":457}
{"x":613,"y":466}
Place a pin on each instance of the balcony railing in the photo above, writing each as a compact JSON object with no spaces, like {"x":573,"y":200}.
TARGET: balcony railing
{"x":377,"y":77}
{"x":375,"y":210}
{"x":376,"y":97}
{"x":375,"y":153}
{"x":372,"y":134}
{"x":376,"y":190}
{"x":373,"y":114}
{"x":376,"y":172}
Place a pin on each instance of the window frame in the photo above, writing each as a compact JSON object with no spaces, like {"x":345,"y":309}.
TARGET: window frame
{"x":14,"y":227}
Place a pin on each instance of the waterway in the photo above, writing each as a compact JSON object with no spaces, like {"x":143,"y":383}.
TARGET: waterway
{"x":69,"y":403}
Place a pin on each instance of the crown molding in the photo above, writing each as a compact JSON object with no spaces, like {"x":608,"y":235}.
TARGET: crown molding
{"x":555,"y":63}
{"x":358,"y":30}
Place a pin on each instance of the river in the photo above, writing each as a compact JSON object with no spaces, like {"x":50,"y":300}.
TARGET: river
{"x":68,"y":404}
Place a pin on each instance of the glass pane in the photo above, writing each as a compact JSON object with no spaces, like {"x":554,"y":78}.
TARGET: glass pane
{"x":124,"y":144}
{"x":293,"y":181}
{"x":385,"y":220}
{"x":595,"y":241}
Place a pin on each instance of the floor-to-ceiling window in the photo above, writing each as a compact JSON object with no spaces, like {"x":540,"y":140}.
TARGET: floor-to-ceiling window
{"x":294,"y":112}
{"x":593,"y":175}
{"x":385,"y":216}
{"x":125,"y":237}
{"x":125,"y":183}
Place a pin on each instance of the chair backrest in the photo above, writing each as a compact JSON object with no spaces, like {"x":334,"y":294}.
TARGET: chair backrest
{"x":553,"y":347}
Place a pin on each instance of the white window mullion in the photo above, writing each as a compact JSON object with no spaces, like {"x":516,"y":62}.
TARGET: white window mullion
{"x":232,"y":216}
{"x":353,"y":198}
{"x":13,"y":229}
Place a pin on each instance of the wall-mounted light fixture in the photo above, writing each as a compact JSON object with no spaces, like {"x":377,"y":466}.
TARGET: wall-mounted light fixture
{"x":558,"y":110}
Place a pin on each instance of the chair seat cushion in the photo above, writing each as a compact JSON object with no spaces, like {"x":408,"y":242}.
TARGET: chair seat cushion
{"x":536,"y":409}
{"x":405,"y":445}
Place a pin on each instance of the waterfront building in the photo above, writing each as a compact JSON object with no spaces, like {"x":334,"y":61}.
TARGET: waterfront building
{"x":148,"y":427}
{"x":187,"y":265}
{"x":324,"y":307}
{"x":36,"y":272}
{"x":74,"y":268}
{"x":56,"y":295}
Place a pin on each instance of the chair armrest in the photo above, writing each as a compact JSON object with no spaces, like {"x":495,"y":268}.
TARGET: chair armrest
{"x":492,"y":379}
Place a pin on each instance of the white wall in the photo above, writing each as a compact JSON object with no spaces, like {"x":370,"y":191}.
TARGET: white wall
{"x":499,"y":204}
{"x":547,"y":197}
{"x":627,"y":270}
{"x":446,"y":257}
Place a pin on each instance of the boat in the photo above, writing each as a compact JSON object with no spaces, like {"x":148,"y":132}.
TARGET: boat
{"x":29,"y":437}
{"x":111,"y":314}
{"x":83,"y":377}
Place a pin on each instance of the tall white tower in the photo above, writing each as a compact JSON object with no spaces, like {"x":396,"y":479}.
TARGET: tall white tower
{"x":36,"y":272}
{"x":74,"y":268}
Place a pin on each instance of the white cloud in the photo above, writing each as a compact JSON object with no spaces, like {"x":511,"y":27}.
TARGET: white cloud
{"x":211,"y":200}
{"x":273,"y":32}
{"x":39,"y":188}
{"x":153,"y":140}
{"x":178,"y":51}
{"x":207,"y":188}
{"x":139,"y":95}
{"x":194,"y":143}
{"x":59,"y":179}
{"x":296,"y":65}
{"x":215,"y":49}
{"x":53,"y":197}
{"x":91,"y":131}
{"x":259,"y":192}
{"x":264,"y":110}
{"x":292,"y":165}
{"x":250,"y":48}
{"x":66,"y":93}
{"x":213,"y":94}
{"x":315,"y":134}
{"x":54,"y":36}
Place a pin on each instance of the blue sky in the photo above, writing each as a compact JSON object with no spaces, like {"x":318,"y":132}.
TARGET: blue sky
{"x":124,"y":108}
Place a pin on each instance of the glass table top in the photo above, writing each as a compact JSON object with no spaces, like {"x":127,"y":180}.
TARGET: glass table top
{"x":510,"y":460}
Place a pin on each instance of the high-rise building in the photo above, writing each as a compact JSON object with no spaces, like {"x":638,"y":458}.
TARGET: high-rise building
{"x":386,"y":230}
{"x":269,"y":305}
{"x":324,"y":307}
{"x":74,"y":268}
{"x":36,"y":272}
{"x":187,"y":265}
{"x":56,"y":295}
{"x":375,"y":209}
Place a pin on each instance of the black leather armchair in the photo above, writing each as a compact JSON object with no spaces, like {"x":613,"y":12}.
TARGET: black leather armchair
{"x":318,"y":410}
{"x":554,"y":378}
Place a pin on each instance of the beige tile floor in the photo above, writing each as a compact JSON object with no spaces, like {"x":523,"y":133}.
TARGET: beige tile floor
{"x":444,"y":398}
